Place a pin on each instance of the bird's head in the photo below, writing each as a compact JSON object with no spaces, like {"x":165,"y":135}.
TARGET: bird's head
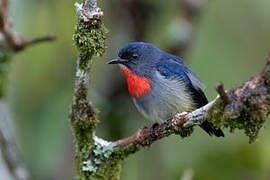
{"x":137,"y":61}
{"x":139,"y":57}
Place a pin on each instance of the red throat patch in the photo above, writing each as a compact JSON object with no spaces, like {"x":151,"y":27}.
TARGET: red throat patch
{"x":137,"y":86}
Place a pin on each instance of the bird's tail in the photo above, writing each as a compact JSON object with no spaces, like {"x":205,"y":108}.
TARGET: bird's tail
{"x":211,"y":129}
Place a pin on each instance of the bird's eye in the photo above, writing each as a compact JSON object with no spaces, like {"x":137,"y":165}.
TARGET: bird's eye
{"x":134,"y":56}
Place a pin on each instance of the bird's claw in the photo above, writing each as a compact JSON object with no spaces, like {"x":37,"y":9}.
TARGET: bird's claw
{"x":152,"y":131}
{"x":167,"y":123}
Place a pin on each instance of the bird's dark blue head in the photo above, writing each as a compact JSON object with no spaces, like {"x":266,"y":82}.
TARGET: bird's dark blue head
{"x":139,"y":57}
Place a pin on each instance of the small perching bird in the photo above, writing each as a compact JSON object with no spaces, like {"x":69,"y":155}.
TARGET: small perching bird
{"x":160,"y":84}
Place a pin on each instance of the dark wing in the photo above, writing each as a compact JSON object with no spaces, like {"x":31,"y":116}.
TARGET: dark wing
{"x":172,"y":69}
{"x":175,"y":70}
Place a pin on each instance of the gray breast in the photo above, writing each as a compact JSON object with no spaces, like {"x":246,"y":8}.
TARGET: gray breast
{"x":167,"y":97}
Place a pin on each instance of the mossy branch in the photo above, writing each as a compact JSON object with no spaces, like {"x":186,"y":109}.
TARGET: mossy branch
{"x":244,"y":108}
{"x":89,"y":37}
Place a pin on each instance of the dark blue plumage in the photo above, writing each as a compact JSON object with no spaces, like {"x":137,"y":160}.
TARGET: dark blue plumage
{"x":173,"y":67}
{"x":174,"y":88}
{"x":177,"y":70}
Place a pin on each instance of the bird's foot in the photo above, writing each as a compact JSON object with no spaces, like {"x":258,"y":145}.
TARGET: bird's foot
{"x":152,"y":131}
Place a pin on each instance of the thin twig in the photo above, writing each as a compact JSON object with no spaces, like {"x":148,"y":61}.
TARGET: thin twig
{"x":34,"y":41}
{"x":13,"y":41}
{"x":220,"y":89}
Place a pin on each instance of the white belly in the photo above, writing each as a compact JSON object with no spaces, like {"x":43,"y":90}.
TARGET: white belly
{"x":167,"y":97}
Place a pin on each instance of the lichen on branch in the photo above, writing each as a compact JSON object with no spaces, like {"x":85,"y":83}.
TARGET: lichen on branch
{"x":248,"y":107}
{"x":91,"y":155}
{"x":244,"y":108}
{"x":89,"y":38}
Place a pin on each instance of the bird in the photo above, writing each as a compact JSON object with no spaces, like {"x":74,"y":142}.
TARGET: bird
{"x":160,"y":84}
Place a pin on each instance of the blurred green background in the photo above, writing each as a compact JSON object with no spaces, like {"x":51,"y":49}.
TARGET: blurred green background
{"x":230,"y":44}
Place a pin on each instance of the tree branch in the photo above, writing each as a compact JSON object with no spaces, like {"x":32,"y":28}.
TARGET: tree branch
{"x":246,"y":108}
{"x":15,"y":42}
{"x":89,"y":38}
{"x":222,"y":93}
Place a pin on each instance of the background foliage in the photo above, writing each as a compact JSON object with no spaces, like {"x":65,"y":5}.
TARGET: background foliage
{"x":231,"y":45}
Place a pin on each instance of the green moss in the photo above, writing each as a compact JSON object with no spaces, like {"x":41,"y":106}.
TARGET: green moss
{"x":89,"y":37}
{"x":267,"y":74}
{"x":247,"y":119}
{"x":186,"y":132}
{"x":123,"y":153}
{"x":83,"y":116}
{"x":97,"y":162}
{"x":84,"y":119}
{"x":93,"y":160}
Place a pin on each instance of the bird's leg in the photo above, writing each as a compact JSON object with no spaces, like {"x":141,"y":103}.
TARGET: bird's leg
{"x":152,"y":131}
